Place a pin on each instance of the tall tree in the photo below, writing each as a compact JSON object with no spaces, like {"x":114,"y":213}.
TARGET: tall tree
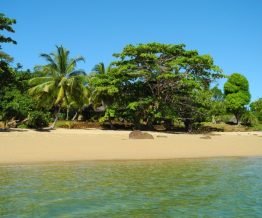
{"x":8,"y":106}
{"x":6,"y":25}
{"x":100,"y":68}
{"x":148,"y":77}
{"x":61,"y":83}
{"x":99,"y":96}
{"x":217,"y":104}
{"x":237,"y":95}
{"x":6,"y":74}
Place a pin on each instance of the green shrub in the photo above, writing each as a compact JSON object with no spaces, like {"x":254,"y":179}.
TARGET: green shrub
{"x":224,"y":118}
{"x":64,"y":124}
{"x":38,"y":119}
{"x":249,"y":119}
{"x":257,"y":127}
{"x":22,"y":126}
{"x":256,"y":108}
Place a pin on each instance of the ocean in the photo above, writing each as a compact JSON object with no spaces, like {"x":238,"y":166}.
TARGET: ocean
{"x":211,"y":187}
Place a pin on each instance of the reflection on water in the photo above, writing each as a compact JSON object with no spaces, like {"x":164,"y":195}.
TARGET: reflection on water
{"x":224,"y":187}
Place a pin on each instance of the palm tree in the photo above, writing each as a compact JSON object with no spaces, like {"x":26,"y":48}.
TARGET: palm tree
{"x":100,"y":68}
{"x":60,"y":82}
{"x":100,"y":85}
{"x":98,"y":98}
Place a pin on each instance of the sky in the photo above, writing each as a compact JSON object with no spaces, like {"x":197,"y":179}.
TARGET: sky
{"x":228,"y":30}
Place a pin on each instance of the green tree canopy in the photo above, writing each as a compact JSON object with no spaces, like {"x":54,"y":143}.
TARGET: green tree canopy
{"x":6,"y":25}
{"x":100,"y":96}
{"x":7,"y":75}
{"x":217,"y":104}
{"x":148,"y":81}
{"x":15,"y":103}
{"x":237,"y":94}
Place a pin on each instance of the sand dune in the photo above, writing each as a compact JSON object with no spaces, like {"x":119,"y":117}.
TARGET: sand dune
{"x":27,"y":146}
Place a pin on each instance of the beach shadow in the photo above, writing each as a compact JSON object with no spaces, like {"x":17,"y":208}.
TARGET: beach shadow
{"x":23,"y":130}
{"x":42,"y":130}
{"x":206,"y":137}
{"x":13,"y":130}
{"x":161,"y":136}
{"x":213,"y":134}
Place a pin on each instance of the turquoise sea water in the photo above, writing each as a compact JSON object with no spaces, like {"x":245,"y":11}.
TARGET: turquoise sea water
{"x":223,"y":187}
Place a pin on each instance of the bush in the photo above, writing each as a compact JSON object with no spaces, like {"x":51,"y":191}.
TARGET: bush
{"x":38,"y":119}
{"x":22,"y":126}
{"x":227,"y":118}
{"x":249,"y":119}
{"x":256,"y":108}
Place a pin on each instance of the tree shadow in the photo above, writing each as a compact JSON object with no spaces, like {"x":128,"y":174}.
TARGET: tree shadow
{"x":43,"y":130}
{"x":13,"y":130}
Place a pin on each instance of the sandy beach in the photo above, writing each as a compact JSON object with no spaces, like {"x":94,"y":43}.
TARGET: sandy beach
{"x":28,"y":146}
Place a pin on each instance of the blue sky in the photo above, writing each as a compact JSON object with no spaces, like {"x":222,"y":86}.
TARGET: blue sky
{"x":229,"y":30}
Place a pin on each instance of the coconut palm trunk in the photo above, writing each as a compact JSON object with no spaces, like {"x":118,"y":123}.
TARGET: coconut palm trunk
{"x":67,"y":112}
{"x":75,"y":116}
{"x":56,"y":118}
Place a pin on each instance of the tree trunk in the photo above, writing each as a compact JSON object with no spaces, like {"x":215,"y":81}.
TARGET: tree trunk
{"x":56,"y":118}
{"x":188,"y":125}
{"x":67,"y":112}
{"x":149,"y":125}
{"x":237,"y":118}
{"x":137,"y":124}
{"x":75,"y":116}
{"x":214,"y":119}
{"x":110,"y":123}
{"x":5,"y":124}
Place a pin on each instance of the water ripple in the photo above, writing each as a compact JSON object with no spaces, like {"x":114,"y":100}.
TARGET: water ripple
{"x":222,"y":187}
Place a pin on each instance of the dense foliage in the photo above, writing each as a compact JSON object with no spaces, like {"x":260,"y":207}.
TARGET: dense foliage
{"x":156,"y":82}
{"x":256,"y":108}
{"x":6,"y":25}
{"x":38,"y":119}
{"x":60,"y":83}
{"x":147,"y":85}
{"x":237,"y":95}
{"x":249,"y":119}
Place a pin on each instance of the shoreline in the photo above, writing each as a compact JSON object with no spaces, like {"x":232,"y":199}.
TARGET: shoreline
{"x":69,"y":145}
{"x":55,"y":163}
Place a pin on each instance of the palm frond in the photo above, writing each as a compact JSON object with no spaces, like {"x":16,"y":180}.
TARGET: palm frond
{"x":60,"y":96}
{"x":48,"y":57}
{"x":43,"y":87}
{"x":73,"y":62}
{"x":76,"y":73}
{"x":99,"y":68}
{"x":61,"y":84}
{"x":38,"y":80}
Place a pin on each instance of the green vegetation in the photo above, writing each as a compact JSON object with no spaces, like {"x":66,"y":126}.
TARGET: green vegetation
{"x":148,"y":86}
{"x":6,"y":25}
{"x":237,"y":95}
{"x":256,"y":108}
{"x":249,"y":119}
{"x":60,"y":84}
{"x":154,"y":83}
{"x":38,"y":119}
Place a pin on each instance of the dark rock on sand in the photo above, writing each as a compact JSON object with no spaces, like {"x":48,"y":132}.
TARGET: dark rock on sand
{"x":140,"y":135}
